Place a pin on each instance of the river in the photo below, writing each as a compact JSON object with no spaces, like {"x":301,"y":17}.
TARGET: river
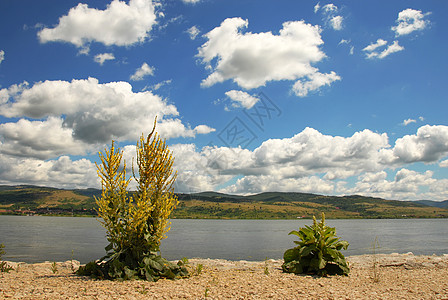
{"x":38,"y":238}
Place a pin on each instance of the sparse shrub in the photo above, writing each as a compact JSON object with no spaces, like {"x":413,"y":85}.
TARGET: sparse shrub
{"x":4,"y":267}
{"x":376,"y":273}
{"x":199,"y":268}
{"x":54,"y":267}
{"x":266,"y":267}
{"x":318,"y":251}
{"x":136,"y":223}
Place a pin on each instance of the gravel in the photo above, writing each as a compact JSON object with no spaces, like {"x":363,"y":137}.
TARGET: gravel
{"x":391,"y":276}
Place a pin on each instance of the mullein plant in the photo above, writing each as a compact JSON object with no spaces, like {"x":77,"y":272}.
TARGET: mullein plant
{"x":136,"y":222}
{"x":317,"y":252}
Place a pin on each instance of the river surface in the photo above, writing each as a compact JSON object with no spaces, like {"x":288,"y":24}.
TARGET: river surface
{"x":38,"y":239}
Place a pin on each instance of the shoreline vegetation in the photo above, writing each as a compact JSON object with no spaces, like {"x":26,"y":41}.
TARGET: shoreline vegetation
{"x":379,"y":276}
{"x":33,"y":200}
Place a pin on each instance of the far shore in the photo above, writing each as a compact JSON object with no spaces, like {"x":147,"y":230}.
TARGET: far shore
{"x":404,"y":217}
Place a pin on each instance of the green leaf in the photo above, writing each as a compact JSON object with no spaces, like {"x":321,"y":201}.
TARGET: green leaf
{"x":291,"y":254}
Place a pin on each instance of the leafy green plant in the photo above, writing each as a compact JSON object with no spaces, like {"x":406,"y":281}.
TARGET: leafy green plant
{"x":4,"y":267}
{"x":317,"y":252}
{"x":136,"y":223}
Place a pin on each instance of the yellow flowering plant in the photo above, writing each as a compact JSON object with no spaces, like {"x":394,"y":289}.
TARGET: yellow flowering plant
{"x":135,"y":224}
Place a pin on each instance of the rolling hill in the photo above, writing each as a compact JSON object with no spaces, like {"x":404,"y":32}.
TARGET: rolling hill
{"x":272,"y":205}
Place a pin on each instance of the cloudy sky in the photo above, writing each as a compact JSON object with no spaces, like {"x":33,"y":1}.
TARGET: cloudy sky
{"x":305,"y":96}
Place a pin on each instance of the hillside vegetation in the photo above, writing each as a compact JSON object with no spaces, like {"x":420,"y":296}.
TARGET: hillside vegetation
{"x":211,"y":205}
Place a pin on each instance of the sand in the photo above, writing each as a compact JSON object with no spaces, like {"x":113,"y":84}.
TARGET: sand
{"x":391,"y":276}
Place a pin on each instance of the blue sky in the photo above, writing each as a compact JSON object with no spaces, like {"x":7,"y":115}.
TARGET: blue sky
{"x":334,"y":98}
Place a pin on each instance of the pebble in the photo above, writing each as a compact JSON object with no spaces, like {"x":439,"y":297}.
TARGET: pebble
{"x":401,"y":276}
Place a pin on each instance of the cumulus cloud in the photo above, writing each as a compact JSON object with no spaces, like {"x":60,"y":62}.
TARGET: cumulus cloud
{"x":203,"y":129}
{"x":61,"y":173}
{"x":39,"y":139}
{"x":406,"y":185}
{"x":2,"y":56}
{"x":119,"y":24}
{"x":266,"y":183}
{"x":314,"y":82}
{"x":101,"y":58}
{"x":141,"y":72}
{"x":253,"y":59}
{"x":82,"y":113}
{"x":395,"y":47}
{"x":444,"y":163}
{"x":313,"y":162}
{"x":429,"y":145}
{"x":242,"y":99}
{"x":410,"y":20}
{"x":193,"y":32}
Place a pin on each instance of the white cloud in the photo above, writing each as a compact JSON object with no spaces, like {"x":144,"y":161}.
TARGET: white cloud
{"x":407,"y":185}
{"x":61,"y":173}
{"x":395,"y":47}
{"x":157,"y":86}
{"x":329,"y":8}
{"x":373,"y":46}
{"x":313,"y":162}
{"x":421,"y":118}
{"x":73,"y":115}
{"x":408,"y":121}
{"x":193,"y":32}
{"x":2,"y":56}
{"x":444,"y":163}
{"x":101,"y":58}
{"x":141,"y":72}
{"x":191,"y":1}
{"x":316,"y":7}
{"x":347,"y":42}
{"x":410,"y":20}
{"x":119,"y":24}
{"x":39,"y":139}
{"x":266,"y":183}
{"x":336,"y":22}
{"x":329,"y":15}
{"x":429,"y":145}
{"x":203,"y":129}
{"x":253,"y":59}
{"x":314,"y":82}
{"x":242,"y":99}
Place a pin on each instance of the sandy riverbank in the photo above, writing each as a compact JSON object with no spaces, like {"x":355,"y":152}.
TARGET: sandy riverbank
{"x":400,"y":276}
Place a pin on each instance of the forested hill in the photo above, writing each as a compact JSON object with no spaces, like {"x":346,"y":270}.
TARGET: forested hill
{"x":272,"y":205}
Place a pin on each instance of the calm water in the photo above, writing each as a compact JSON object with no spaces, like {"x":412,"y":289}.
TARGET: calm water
{"x":37,"y":239}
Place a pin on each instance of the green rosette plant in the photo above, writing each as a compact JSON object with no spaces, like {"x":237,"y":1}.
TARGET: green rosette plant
{"x":317,"y":251}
